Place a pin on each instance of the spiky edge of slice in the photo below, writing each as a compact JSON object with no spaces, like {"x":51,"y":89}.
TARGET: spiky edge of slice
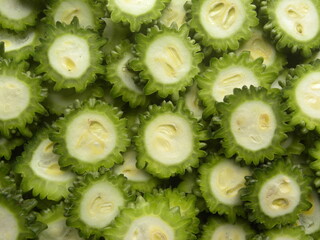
{"x":150,"y":206}
{"x":207,"y":79}
{"x":315,"y":153}
{"x":94,"y":44}
{"x":44,"y":188}
{"x":175,"y":10}
{"x":138,"y":64}
{"x":7,"y":181}
{"x":135,"y":21}
{"x":7,"y":145}
{"x":286,"y":232}
{"x":214,"y":204}
{"x":119,"y":88}
{"x":294,"y":78}
{"x":231,"y":42}
{"x":145,"y":161}
{"x":279,"y":35}
{"x":231,"y":102}
{"x":37,"y":94}
{"x":97,"y":12}
{"x":99,"y":107}
{"x":79,"y":188}
{"x":215,"y":222}
{"x":254,"y":183}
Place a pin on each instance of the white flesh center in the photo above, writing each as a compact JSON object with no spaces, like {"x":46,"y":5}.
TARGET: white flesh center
{"x":69,"y":9}
{"x":58,"y":230}
{"x":15,"y":9}
{"x":222,"y":18}
{"x":44,"y":163}
{"x":192,"y":101}
{"x":135,"y":7}
{"x":69,"y":55}
{"x":169,"y":139}
{"x":91,"y":137}
{"x":14,"y":97}
{"x":168,"y":59}
{"x":279,"y":196}
{"x":174,"y":13}
{"x":9,"y":227}
{"x":228,"y":232}
{"x":253,"y":124}
{"x":14,"y":42}
{"x":285,"y":238}
{"x":308,"y":95}
{"x":129,"y":169}
{"x":100,"y":204}
{"x":125,"y":75}
{"x":149,"y":228}
{"x":226,"y":179}
{"x":298,"y":18}
{"x":231,"y":78}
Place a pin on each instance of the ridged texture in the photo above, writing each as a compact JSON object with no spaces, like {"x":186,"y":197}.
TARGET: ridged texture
{"x":288,"y":232}
{"x":7,"y":145}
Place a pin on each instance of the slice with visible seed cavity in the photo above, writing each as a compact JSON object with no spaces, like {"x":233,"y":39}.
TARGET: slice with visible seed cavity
{"x":174,"y":13}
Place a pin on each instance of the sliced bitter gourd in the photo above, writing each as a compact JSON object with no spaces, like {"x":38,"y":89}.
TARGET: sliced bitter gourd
{"x":174,"y":13}
{"x":169,"y":140}
{"x":284,"y":233}
{"x":253,"y":125}
{"x":92,"y":135}
{"x":7,"y":181}
{"x":219,"y":228}
{"x":227,"y":73}
{"x":276,"y":193}
{"x":7,"y":145}
{"x":89,"y":13}
{"x":150,"y":218}
{"x":70,"y":56}
{"x":221,"y":24}
{"x":192,"y":101}
{"x":303,"y":95}
{"x":20,"y":97}
{"x":17,"y":15}
{"x":95,"y":201}
{"x":122,"y":79}
{"x":56,"y":221}
{"x":293,"y":24}
{"x":40,"y":170}
{"x":168,"y":59}
{"x":220,"y":182}
{"x":135,"y":13}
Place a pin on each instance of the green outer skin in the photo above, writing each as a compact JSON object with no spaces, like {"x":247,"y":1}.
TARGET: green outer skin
{"x":170,"y":10}
{"x":289,"y":231}
{"x":138,"y":64}
{"x":22,"y":24}
{"x":207,"y":79}
{"x":295,"y":77}
{"x":37,"y":94}
{"x":135,"y":22}
{"x":43,"y":188}
{"x":254,"y":183}
{"x":99,"y":107}
{"x":226,"y":108}
{"x":315,"y":152}
{"x":213,"y":203}
{"x":279,"y":35}
{"x":214,"y":222}
{"x":97,"y":12}
{"x":94,"y":44}
{"x":81,"y":185}
{"x":160,"y":170}
{"x":150,"y":206}
{"x":231,"y":42}
{"x":119,"y":88}
{"x":7,"y":181}
{"x":8,"y":145}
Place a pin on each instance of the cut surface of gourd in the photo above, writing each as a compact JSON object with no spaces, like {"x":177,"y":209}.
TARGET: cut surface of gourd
{"x":13,"y":42}
{"x":174,"y":13}
{"x":135,"y":8}
{"x":9,"y":227}
{"x":229,"y":231}
{"x":15,"y":9}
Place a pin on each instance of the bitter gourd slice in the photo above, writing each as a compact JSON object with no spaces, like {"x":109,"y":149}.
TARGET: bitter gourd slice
{"x":90,"y":136}
{"x":169,"y":140}
{"x":192,"y":101}
{"x":7,"y":145}
{"x":168,"y":59}
{"x":284,"y":233}
{"x":174,"y":13}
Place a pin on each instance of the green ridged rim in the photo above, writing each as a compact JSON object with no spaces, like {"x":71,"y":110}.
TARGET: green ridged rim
{"x":254,"y":183}
{"x":231,"y":42}
{"x":94,"y":43}
{"x":207,"y":79}
{"x":97,"y":107}
{"x":44,"y":188}
{"x":135,"y":21}
{"x":37,"y":94}
{"x":138,"y":64}
{"x":7,"y":181}
{"x":285,"y":232}
{"x":145,"y":161}
{"x":279,"y":35}
{"x":226,"y":108}
{"x":7,"y":145}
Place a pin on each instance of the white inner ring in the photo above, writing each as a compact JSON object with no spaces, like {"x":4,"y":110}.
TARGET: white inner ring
{"x":15,"y":9}
{"x":9,"y":227}
{"x":135,"y":7}
{"x":13,"y":42}
{"x":229,"y":231}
